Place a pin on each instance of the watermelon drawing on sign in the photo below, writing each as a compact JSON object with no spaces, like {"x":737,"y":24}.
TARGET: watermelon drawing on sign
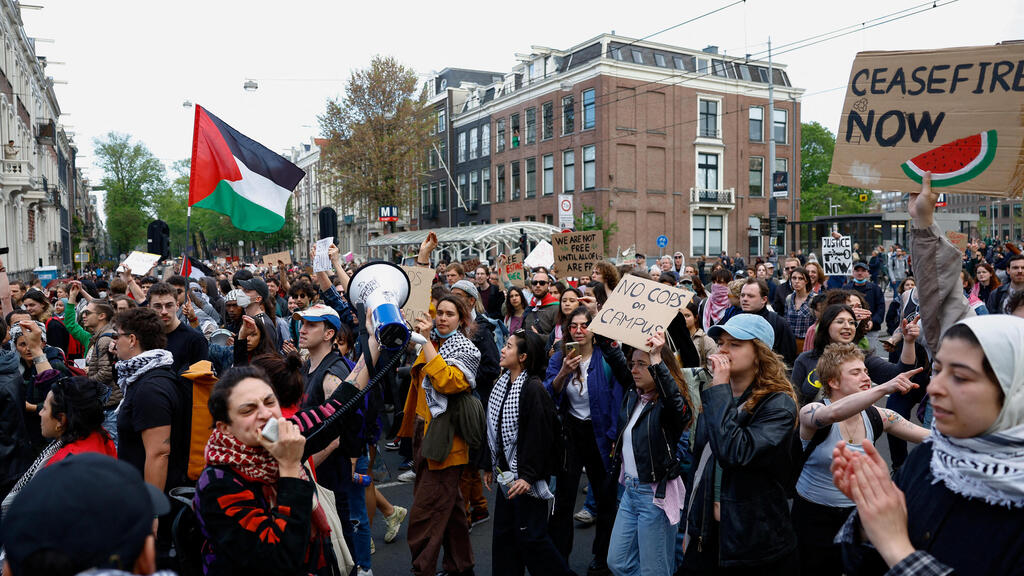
{"x":955,"y":162}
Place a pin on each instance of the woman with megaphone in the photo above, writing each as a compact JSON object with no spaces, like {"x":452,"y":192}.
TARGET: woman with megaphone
{"x":443,"y":377}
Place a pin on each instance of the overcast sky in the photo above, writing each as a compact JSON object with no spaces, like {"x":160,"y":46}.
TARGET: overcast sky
{"x":129,"y":65}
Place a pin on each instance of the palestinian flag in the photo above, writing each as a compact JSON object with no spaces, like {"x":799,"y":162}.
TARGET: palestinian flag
{"x":192,"y":268}
{"x":237,"y":176}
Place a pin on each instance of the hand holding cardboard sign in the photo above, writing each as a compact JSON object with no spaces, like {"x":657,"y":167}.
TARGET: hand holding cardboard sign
{"x":922,"y":204}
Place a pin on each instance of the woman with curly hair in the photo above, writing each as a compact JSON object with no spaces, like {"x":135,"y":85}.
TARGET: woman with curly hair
{"x":605,"y":273}
{"x":738,"y":514}
{"x":986,"y":281}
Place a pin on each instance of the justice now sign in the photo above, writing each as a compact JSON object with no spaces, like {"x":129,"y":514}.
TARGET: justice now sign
{"x":954,"y":112}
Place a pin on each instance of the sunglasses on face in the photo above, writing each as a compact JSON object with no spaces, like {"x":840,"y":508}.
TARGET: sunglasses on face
{"x":540,"y":282}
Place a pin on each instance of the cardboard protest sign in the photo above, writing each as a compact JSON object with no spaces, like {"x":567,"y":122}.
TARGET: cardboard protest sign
{"x":541,"y":255}
{"x":954,"y":112}
{"x":837,"y":255}
{"x":958,"y":239}
{"x":272,"y":259}
{"x":140,"y":263}
{"x":420,"y":280}
{"x":514,"y":270}
{"x":577,"y":252}
{"x":637,"y":309}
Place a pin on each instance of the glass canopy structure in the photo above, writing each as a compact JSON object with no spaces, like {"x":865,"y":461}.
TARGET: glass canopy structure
{"x":485,"y":242}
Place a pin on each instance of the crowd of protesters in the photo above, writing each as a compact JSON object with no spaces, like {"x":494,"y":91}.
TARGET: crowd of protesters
{"x":739,"y":440}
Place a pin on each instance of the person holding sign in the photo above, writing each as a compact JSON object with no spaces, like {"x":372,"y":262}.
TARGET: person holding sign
{"x":738,"y":514}
{"x":585,"y":382}
{"x":654,"y":414}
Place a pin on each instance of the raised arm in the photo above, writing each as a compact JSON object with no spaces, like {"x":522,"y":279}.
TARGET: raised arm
{"x":818,"y":415}
{"x":343,"y":277}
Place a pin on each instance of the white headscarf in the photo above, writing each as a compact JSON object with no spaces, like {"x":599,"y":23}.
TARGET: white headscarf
{"x":990,"y":466}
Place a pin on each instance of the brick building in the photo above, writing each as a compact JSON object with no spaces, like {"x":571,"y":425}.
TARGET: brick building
{"x":657,"y":139}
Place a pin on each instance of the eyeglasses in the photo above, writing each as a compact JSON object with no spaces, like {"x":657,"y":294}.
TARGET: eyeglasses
{"x":788,"y":268}
{"x":539,"y":282}
{"x":85,"y":313}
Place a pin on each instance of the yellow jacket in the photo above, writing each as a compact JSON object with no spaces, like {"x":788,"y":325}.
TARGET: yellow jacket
{"x":446,"y":380}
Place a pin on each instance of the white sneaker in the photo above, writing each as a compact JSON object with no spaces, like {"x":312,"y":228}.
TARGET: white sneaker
{"x":585,"y":517}
{"x":407,"y":476}
{"x":393,"y":523}
{"x":361,"y":572}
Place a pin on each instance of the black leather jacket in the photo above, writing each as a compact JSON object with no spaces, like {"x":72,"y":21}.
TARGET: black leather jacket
{"x":752,"y":450}
{"x":657,"y":429}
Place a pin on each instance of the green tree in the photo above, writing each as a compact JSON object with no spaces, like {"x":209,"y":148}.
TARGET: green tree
{"x":590,"y":220}
{"x":131,"y":177}
{"x":817,"y":145}
{"x":375,"y":137}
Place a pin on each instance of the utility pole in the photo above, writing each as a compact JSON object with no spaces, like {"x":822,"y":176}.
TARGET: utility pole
{"x":773,"y":205}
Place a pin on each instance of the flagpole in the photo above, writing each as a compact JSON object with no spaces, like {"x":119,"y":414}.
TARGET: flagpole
{"x":191,"y":180}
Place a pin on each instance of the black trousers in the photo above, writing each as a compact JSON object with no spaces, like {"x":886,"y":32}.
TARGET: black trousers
{"x":521,"y":540}
{"x":703,"y":560}
{"x":815,"y":527}
{"x":582,"y":452}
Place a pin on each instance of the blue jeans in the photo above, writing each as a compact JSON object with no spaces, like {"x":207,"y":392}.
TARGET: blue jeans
{"x":110,"y":423}
{"x":358,"y":516}
{"x":643,"y":540}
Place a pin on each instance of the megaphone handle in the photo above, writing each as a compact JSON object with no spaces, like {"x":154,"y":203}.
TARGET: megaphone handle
{"x":364,"y":340}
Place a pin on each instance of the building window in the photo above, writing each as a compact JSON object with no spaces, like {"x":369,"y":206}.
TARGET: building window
{"x":424,"y":199}
{"x":707,"y":171}
{"x":568,"y":170}
{"x":756,"y":124}
{"x":589,"y":167}
{"x":706,"y":235}
{"x":754,"y":246}
{"x":638,"y":56}
{"x":516,"y":182}
{"x":983,"y":211}
{"x":531,"y":177}
{"x":462,"y":146}
{"x":432,"y":158}
{"x":718,"y":68}
{"x":548,"y":121}
{"x":444,"y":149}
{"x":549,"y":174}
{"x":499,"y":194}
{"x":708,"y":120}
{"x":462,"y":191}
{"x":568,"y":115}
{"x":756,"y":176}
{"x":1006,"y":210}
{"x":617,"y":53}
{"x":442,"y":198}
{"x":531,"y":125}
{"x":434,"y":200}
{"x":549,"y":218}
{"x":485,"y":140}
{"x":499,"y":138}
{"x":473,"y":143}
{"x":779,"y":125}
{"x":702,"y":65}
{"x":782,"y":164}
{"x":659,"y":59}
{"x":589,"y":110}
{"x":442,"y":123}
{"x":474,"y":187}
{"x":515,"y":130}
{"x":485,"y":191}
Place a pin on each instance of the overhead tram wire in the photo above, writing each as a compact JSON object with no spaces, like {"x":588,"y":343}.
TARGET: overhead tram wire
{"x":798,"y":45}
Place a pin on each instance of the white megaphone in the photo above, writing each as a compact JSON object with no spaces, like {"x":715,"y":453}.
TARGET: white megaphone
{"x":382,"y":288}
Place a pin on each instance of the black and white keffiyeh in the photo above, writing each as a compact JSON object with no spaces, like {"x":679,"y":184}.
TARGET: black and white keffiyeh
{"x":505,"y":421}
{"x":130,"y":370}
{"x":40,"y":463}
{"x":990,"y":466}
{"x":459,"y":352}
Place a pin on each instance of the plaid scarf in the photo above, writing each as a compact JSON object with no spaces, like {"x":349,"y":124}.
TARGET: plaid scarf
{"x":254,"y":463}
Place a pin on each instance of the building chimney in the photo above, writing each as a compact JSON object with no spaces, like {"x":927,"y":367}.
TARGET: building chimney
{"x":711,"y":49}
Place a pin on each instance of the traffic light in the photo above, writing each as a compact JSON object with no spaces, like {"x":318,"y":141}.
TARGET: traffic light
{"x":158,"y":239}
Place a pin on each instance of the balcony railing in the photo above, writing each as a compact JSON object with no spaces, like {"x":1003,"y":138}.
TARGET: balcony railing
{"x":706,"y":132}
{"x":723,"y":198}
{"x":17,"y":168}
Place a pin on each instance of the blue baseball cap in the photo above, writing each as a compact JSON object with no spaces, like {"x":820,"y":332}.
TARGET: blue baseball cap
{"x":746,"y":327}
{"x":319,"y":313}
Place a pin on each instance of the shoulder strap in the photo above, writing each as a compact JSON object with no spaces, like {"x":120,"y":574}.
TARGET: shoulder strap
{"x":877,"y":426}
{"x":820,"y":435}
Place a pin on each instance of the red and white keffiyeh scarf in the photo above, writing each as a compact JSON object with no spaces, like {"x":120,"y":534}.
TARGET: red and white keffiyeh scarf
{"x":254,"y":463}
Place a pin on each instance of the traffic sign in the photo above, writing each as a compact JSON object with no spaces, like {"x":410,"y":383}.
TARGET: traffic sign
{"x":662,"y":241}
{"x":565,"y":211}
{"x":940,"y":202}
{"x":82,"y":257}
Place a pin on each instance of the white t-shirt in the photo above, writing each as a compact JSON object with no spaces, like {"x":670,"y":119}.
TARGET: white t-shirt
{"x":579,"y":395}
{"x":628,"y":460}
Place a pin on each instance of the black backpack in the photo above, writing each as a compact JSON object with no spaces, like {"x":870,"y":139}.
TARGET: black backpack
{"x":799,"y":454}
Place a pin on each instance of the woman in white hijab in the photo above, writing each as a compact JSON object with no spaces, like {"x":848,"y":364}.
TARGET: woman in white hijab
{"x":957,"y":504}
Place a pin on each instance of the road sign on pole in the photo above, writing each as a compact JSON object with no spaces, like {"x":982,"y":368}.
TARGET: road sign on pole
{"x":662,"y":241}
